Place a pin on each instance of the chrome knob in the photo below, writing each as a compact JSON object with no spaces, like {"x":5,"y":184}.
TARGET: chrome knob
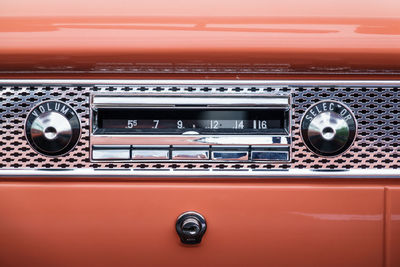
{"x":328,"y":128}
{"x":191,"y":227}
{"x":52,"y":128}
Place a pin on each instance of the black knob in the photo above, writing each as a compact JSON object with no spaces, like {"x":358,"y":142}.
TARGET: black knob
{"x":191,"y":227}
{"x":52,"y":128}
{"x":328,"y":128}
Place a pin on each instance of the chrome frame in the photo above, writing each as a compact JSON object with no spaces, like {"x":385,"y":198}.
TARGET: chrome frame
{"x":206,"y":101}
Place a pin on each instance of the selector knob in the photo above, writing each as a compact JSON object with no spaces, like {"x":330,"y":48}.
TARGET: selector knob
{"x":52,"y":128}
{"x":328,"y":128}
{"x":191,"y":227}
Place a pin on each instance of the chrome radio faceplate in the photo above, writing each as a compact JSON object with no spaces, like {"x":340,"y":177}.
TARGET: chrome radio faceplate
{"x":357,"y":122}
{"x":192,"y":128}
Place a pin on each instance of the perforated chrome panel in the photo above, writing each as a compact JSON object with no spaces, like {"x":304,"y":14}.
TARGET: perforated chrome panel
{"x":376,"y":107}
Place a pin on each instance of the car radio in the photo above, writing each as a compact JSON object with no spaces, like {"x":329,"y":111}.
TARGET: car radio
{"x":199,"y":125}
{"x":191,"y":128}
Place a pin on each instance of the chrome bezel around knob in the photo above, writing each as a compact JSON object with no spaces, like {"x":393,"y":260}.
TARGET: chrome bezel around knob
{"x":341,"y":122}
{"x":62,"y":119}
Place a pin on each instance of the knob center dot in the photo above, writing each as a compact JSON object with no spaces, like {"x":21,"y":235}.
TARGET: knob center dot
{"x":328,"y":133}
{"x":50,"y":133}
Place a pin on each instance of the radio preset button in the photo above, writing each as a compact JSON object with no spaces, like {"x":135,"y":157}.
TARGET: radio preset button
{"x":111,"y":152}
{"x":150,"y":154}
{"x":230,"y":155}
{"x":190,"y":155}
{"x":270,"y":155}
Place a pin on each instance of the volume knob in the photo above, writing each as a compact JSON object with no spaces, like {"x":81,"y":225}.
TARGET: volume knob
{"x":328,"y":128}
{"x":52,"y":128}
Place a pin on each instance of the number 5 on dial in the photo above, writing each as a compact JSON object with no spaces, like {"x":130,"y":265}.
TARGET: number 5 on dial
{"x":131,"y":124}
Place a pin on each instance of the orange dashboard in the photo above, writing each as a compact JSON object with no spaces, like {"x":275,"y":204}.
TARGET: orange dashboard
{"x":203,"y":133}
{"x":188,"y":37}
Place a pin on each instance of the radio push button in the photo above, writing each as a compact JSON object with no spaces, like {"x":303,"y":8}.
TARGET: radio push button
{"x":150,"y":154}
{"x":230,"y":155}
{"x":190,"y":155}
{"x":270,"y":155}
{"x":226,"y":153}
{"x":111,"y":152}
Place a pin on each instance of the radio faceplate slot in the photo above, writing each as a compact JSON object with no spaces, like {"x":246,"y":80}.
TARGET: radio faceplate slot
{"x":209,"y":128}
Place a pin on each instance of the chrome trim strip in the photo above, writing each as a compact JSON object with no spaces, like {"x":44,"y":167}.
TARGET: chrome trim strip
{"x":200,"y":82}
{"x":155,"y":101}
{"x":249,"y":174}
{"x":190,"y":140}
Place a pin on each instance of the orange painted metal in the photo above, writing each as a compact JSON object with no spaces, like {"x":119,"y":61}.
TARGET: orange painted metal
{"x":157,"y":36}
{"x":291,"y":223}
{"x":132,"y":224}
{"x":392,"y":232}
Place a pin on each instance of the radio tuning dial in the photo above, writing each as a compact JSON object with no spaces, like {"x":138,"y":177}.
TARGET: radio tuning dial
{"x":328,"y":128}
{"x":52,"y":128}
